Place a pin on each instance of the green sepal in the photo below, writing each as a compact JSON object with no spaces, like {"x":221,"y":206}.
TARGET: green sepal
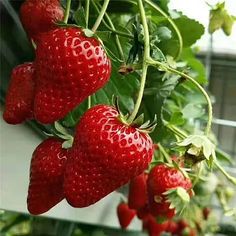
{"x":178,"y":199}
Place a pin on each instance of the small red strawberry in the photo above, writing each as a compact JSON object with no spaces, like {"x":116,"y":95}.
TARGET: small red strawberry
{"x":153,"y":227}
{"x":137,"y":197}
{"x":125,"y":215}
{"x":70,"y":67}
{"x":206,"y":212}
{"x":106,"y":154}
{"x":38,"y":16}
{"x":160,"y":179}
{"x":46,"y":176}
{"x":172,"y":227}
{"x":20,"y":94}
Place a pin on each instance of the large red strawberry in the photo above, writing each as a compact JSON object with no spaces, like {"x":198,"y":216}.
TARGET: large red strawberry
{"x":137,"y":197}
{"x":38,"y":16}
{"x":125,"y":215}
{"x":106,"y":154}
{"x":20,"y":94}
{"x":70,"y":67}
{"x":160,"y":179}
{"x":46,"y":176}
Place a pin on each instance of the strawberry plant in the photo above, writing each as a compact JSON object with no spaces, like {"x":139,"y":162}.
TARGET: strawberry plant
{"x":118,"y":88}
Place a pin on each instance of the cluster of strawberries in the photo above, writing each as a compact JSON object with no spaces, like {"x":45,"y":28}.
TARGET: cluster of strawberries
{"x":68,"y":67}
{"x":148,"y":201}
{"x":106,"y":152}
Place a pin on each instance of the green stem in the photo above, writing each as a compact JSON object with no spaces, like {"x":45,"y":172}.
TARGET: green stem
{"x":113,"y":29}
{"x":177,"y":131}
{"x":165,"y":154}
{"x":153,"y":5}
{"x":229,"y":177}
{"x":120,"y":33}
{"x":87,"y":4}
{"x":100,"y":16}
{"x":67,"y":12}
{"x":146,"y":55}
{"x":159,"y":64}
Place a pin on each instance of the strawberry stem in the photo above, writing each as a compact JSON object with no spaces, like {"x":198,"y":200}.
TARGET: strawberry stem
{"x":157,"y":8}
{"x":87,"y":4}
{"x":145,"y":65}
{"x":167,"y":68}
{"x":100,"y":16}
{"x":67,"y":12}
{"x":113,"y":29}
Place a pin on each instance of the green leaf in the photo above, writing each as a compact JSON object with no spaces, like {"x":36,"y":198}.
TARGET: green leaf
{"x":197,"y":68}
{"x":163,"y":33}
{"x":220,"y":19}
{"x":177,"y":118}
{"x":79,"y":17}
{"x":191,"y":30}
{"x":193,"y":111}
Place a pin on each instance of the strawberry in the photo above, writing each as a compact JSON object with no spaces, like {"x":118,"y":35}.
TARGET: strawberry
{"x":153,"y":227}
{"x":206,"y":212}
{"x":105,"y":155}
{"x":20,"y":94}
{"x":172,"y":227}
{"x":38,"y":16}
{"x":46,"y":176}
{"x":160,"y":179}
{"x":137,"y":197}
{"x":70,"y":67}
{"x":125,"y":215}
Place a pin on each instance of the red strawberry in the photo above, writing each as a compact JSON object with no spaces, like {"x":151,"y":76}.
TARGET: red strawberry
{"x":70,"y":67}
{"x":143,"y":212}
{"x":106,"y":154}
{"x":38,"y":16}
{"x":206,"y":211}
{"x":172,"y":227}
{"x":46,"y":176}
{"x":137,"y":197}
{"x":20,"y":95}
{"x":125,"y":215}
{"x":160,"y":179}
{"x":153,"y":227}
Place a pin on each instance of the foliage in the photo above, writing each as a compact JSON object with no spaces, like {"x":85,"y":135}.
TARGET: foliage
{"x":173,"y":88}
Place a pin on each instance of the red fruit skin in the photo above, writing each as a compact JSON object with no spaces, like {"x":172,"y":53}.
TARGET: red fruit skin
{"x":105,"y":155}
{"x":70,"y":67}
{"x":143,"y":213}
{"x":39,"y":16}
{"x":46,"y":176}
{"x":154,"y":228}
{"x":137,"y":197}
{"x":125,"y":215}
{"x":20,"y":94}
{"x":160,"y":179}
{"x":172,"y":227}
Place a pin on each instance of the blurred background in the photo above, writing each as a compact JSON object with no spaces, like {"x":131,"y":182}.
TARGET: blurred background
{"x":217,"y":52}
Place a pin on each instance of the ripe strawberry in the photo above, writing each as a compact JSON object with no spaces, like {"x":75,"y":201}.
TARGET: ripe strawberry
{"x":125,"y":215}
{"x":172,"y":227}
{"x":46,"y":176}
{"x":160,"y":179}
{"x":38,"y":16}
{"x":20,"y":95}
{"x":137,"y":197}
{"x":153,"y":227}
{"x":106,"y":154}
{"x":70,"y":67}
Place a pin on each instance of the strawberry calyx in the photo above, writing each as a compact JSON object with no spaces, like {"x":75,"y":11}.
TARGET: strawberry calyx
{"x":138,"y":123}
{"x":62,"y":133}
